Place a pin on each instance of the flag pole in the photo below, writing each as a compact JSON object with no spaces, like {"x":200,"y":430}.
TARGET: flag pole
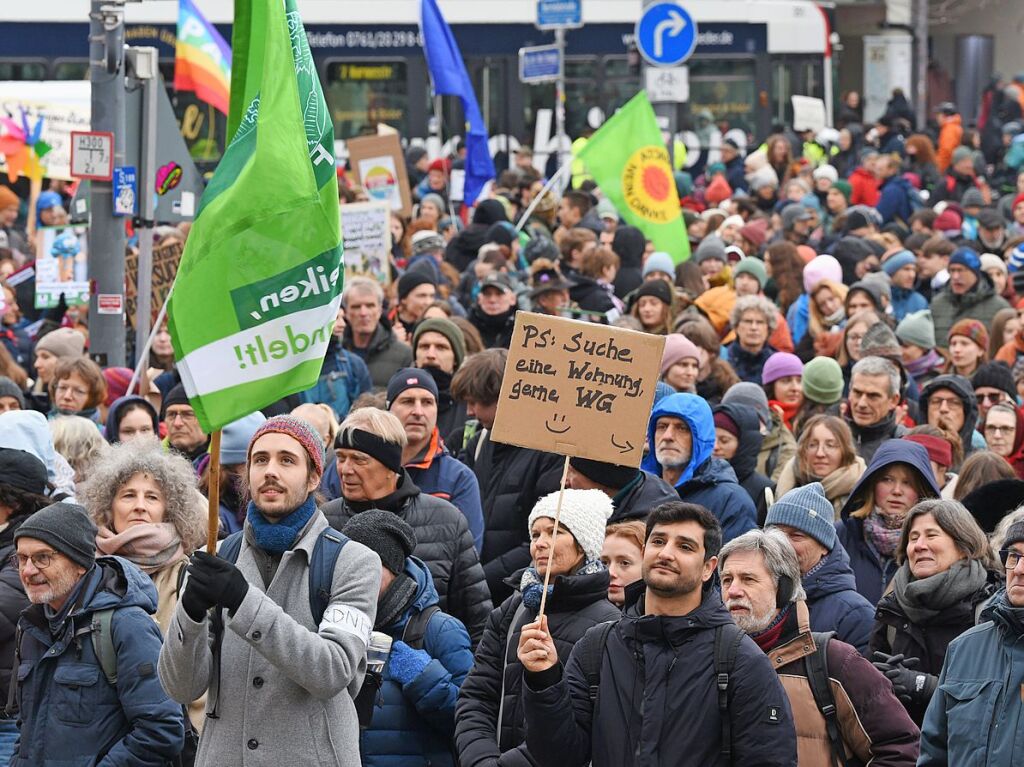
{"x":555,"y":179}
{"x":554,"y":537}
{"x":213,"y":520}
{"x":144,"y":354}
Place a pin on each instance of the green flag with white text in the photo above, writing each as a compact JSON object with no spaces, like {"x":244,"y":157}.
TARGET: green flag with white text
{"x":259,"y":284}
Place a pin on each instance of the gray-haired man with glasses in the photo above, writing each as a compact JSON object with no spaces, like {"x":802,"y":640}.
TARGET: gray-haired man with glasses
{"x":976,"y":714}
{"x":184,"y":433}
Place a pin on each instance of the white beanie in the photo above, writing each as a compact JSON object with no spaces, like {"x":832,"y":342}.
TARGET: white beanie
{"x":826,"y":171}
{"x":584,"y":514}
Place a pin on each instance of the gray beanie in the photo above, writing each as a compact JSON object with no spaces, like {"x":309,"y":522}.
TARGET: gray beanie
{"x":711,"y":247}
{"x":62,"y":342}
{"x":10,"y":389}
{"x":807,"y":509}
{"x":66,"y":527}
{"x":917,"y":329}
{"x":750,"y":395}
{"x":384,"y":533}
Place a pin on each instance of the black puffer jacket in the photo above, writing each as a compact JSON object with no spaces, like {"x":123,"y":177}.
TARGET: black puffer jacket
{"x":385,"y":355}
{"x":512,"y":479}
{"x":12,"y":602}
{"x":577,"y":603}
{"x":495,"y":330}
{"x":636,"y":499}
{"x":586,"y":293}
{"x":443,"y":542}
{"x":629,"y":244}
{"x":744,"y":462}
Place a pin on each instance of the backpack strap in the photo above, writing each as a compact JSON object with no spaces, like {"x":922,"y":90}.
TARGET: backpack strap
{"x":103,"y":643}
{"x":416,"y":627}
{"x":516,"y":616}
{"x":727,"y":642}
{"x":321,"y":570}
{"x":590,"y":650}
{"x":816,"y":666}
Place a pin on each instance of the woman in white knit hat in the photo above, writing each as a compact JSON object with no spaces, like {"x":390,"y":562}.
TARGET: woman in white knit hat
{"x":490,"y":719}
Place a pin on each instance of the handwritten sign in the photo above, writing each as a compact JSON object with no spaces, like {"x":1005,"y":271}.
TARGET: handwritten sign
{"x":366,"y":237}
{"x":379,"y":166}
{"x":165,"y":265}
{"x":62,"y":266}
{"x":578,"y":389}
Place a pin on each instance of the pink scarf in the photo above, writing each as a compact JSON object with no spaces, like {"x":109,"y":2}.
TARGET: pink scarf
{"x":150,"y":547}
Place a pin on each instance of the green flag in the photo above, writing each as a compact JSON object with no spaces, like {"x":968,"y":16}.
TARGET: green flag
{"x":259,"y":284}
{"x":629,"y":162}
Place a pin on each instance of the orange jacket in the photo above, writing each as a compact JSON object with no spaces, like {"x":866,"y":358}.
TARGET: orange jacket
{"x":950,"y":136}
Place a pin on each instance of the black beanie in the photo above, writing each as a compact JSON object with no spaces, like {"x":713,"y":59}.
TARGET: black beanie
{"x":605,"y":474}
{"x":66,"y":527}
{"x":410,"y":378}
{"x":175,"y":396}
{"x":657,"y":288}
{"x":23,"y":471}
{"x":385,"y":533}
{"x":996,"y":375}
{"x":411,"y":280}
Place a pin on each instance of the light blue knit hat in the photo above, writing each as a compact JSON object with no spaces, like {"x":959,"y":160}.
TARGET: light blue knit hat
{"x":807,"y":509}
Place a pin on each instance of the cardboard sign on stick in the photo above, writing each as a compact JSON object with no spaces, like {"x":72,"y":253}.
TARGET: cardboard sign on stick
{"x":379,"y":165}
{"x":366,"y":237}
{"x":578,"y":389}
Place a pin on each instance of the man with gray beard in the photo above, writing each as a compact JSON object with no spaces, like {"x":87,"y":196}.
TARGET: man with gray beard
{"x":681,"y":439}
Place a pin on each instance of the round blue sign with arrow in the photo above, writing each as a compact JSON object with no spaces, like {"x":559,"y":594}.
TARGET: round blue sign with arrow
{"x":666,"y":34}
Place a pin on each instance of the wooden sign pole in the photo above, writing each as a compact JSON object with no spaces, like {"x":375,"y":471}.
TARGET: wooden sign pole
{"x":214,"y":493}
{"x":554,"y":537}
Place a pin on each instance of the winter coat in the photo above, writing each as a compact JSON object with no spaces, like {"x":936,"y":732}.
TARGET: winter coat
{"x":906,"y":301}
{"x":963,"y":389}
{"x":873,"y":724}
{"x":629,"y":244}
{"x":871,"y":570}
{"x":798,"y":317}
{"x":512,"y":479}
{"x":747,"y":365}
{"x":867,"y":439}
{"x":586,"y":293}
{"x":414,"y":725}
{"x":495,"y":330}
{"x":710,"y":482}
{"x":834,"y":602}
{"x":69,"y":713}
{"x":653,"y":711}
{"x":744,"y":462}
{"x":979,"y":303}
{"x":950,"y":135}
{"x":577,"y":603}
{"x":778,"y":446}
{"x":971,"y":717}
{"x":12,"y":601}
{"x":895,"y":632}
{"x":864,"y":188}
{"x":894,"y":200}
{"x":443,"y":542}
{"x":384,"y":355}
{"x":286,"y":685}
{"x":635,"y":500}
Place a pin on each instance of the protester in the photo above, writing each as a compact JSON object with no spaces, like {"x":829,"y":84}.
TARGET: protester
{"x":184,"y":433}
{"x":1004,"y":432}
{"x":439,"y":347}
{"x":822,"y":390}
{"x":131,"y":417}
{"x":967,"y":347}
{"x":824,"y":453}
{"x":778,"y":445}
{"x":622,"y":554}
{"x":871,"y":407}
{"x":993,"y":385}
{"x":782,"y":378}
{"x":79,"y":441}
{"x":57,"y":345}
{"x":969,"y":294}
{"x":753,"y":318}
{"x":680,"y":363}
{"x":948,"y":401}
{"x":490,"y":719}
{"x":916,"y":335}
{"x":367,"y":333}
{"x":738,"y":440}
{"x":77,"y":388}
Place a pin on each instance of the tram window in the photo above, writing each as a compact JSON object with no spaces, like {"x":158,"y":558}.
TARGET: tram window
{"x":493,"y":97}
{"x":582,"y":92}
{"x":361,"y":94}
{"x":22,"y":70}
{"x":725,"y":87}
{"x":536,"y":97}
{"x":71,"y":70}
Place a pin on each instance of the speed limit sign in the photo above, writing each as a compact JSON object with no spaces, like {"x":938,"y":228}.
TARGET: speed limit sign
{"x":92,"y":155}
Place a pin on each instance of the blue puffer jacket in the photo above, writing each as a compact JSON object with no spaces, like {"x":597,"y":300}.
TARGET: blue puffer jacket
{"x":834,"y":603}
{"x":906,"y":301}
{"x":710,"y":482}
{"x":69,"y":714}
{"x":976,"y":714}
{"x":798,"y":318}
{"x":417,"y":722}
{"x":872,"y":571}
{"x":894,"y":200}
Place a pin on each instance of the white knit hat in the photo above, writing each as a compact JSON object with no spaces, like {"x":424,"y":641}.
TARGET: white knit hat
{"x":584,"y":514}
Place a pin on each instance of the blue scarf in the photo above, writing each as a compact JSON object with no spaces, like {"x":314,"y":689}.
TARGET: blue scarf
{"x":532,"y":583}
{"x":278,"y":538}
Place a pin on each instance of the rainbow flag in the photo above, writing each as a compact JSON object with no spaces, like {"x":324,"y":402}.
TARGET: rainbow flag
{"x":202,"y":60}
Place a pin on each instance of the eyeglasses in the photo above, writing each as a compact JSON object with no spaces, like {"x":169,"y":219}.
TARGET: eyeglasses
{"x":41,"y":560}
{"x":950,"y":402}
{"x":991,"y":428}
{"x":75,"y":390}
{"x":1010,"y":558}
{"x":995,"y":398}
{"x":187,"y":416}
{"x":855,"y":337}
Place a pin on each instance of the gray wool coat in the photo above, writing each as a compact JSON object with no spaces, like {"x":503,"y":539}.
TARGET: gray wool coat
{"x":286,"y":685}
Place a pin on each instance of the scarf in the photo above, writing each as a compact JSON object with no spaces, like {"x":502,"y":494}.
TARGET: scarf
{"x":835,"y":318}
{"x":769,"y":637}
{"x":1002,"y":612}
{"x":150,"y":547}
{"x":532,"y":583}
{"x":923,"y":599}
{"x":923,"y":365}
{"x":883,"y":531}
{"x":395,"y":601}
{"x":839,"y":484}
{"x":278,"y":538}
{"x":788,"y":411}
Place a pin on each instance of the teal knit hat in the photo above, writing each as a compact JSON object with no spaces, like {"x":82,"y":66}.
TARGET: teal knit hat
{"x":917,"y":329}
{"x":823,"y":381}
{"x":752,"y":266}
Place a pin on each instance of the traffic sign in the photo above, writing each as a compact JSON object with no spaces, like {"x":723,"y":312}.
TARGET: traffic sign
{"x":92,"y":155}
{"x":126,"y":191}
{"x":666,"y":34}
{"x":559,"y":14}
{"x":540,"y":64}
{"x":667,"y":85}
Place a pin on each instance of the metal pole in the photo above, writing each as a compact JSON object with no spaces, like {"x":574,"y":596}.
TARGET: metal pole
{"x":147,"y":183}
{"x":921,"y":63}
{"x":560,"y":136}
{"x":106,"y":231}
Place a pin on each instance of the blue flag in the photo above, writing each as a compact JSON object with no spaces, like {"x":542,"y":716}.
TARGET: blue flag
{"x":448,"y":72}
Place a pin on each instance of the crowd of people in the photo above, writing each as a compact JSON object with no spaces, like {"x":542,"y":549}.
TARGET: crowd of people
{"x":818,"y":561}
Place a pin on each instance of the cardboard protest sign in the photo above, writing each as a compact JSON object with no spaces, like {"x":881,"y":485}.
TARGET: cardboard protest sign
{"x":809,"y":114}
{"x":61,"y":266}
{"x":379,"y":166}
{"x":165,"y":266}
{"x":366,"y":236}
{"x":58,"y":107}
{"x":578,"y":389}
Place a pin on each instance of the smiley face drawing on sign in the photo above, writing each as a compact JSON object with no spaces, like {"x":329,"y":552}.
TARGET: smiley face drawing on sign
{"x":560,"y":427}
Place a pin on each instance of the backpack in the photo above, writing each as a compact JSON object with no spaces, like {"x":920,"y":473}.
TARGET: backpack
{"x":338,"y":389}
{"x":416,"y":627}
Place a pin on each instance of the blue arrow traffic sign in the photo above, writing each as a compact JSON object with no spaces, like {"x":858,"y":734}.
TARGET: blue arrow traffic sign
{"x":666,"y":34}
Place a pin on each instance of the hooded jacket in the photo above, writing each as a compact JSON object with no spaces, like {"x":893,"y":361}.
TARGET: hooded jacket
{"x":629,"y":244}
{"x":964,"y":391}
{"x":834,"y":603}
{"x":114,"y":416}
{"x":586,"y":293}
{"x":871,"y":571}
{"x":28,"y":430}
{"x":979,"y":303}
{"x":654,"y":711}
{"x":383,"y":355}
{"x":744,"y":462}
{"x":414,"y":724}
{"x":63,"y":694}
{"x":894,"y":200}
{"x":971,"y":717}
{"x":576,"y":603}
{"x":864,"y":187}
{"x":710,"y":482}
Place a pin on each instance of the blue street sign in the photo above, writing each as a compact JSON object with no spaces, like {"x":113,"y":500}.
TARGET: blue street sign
{"x":126,"y":191}
{"x":540,"y":64}
{"x":666,"y":34}
{"x":559,"y":14}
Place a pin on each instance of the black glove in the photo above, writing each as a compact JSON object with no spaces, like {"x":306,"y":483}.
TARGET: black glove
{"x":195,"y":600}
{"x":216,"y":582}
{"x":912,"y":687}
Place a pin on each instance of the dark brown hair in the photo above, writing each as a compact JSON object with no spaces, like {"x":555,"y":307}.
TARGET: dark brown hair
{"x":479,"y":378}
{"x":88,"y":371}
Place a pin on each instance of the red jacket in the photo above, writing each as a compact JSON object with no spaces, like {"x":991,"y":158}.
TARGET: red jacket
{"x":864,"y":188}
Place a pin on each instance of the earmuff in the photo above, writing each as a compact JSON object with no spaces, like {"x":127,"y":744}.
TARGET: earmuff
{"x":784,"y":593}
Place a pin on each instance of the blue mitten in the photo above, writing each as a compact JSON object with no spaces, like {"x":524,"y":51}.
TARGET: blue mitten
{"x":405,"y":663}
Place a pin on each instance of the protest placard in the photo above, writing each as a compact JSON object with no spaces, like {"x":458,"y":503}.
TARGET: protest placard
{"x":578,"y":389}
{"x":165,"y":266}
{"x":61,"y":266}
{"x":366,"y":235}
{"x":379,"y":166}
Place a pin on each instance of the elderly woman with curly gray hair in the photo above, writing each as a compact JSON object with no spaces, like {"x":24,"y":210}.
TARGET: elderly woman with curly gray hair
{"x":147,"y":509}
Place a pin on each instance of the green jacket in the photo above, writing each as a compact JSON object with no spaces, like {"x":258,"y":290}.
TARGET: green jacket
{"x":980,"y":303}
